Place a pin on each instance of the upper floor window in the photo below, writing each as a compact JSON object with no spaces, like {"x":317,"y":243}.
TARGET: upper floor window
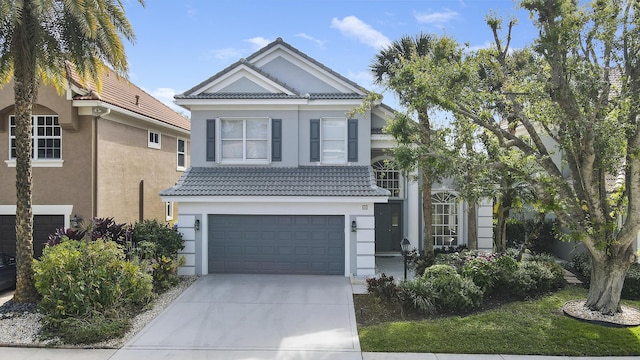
{"x":181,"y":154}
{"x":154,"y":139}
{"x":387,"y":177}
{"x":333,"y":134}
{"x":46,"y":137}
{"x":333,"y":140}
{"x":244,"y":140}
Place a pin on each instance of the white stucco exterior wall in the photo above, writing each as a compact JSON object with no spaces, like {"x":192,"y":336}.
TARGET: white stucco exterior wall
{"x":360,"y":209}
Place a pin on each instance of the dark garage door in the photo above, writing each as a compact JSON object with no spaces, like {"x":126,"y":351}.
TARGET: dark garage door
{"x":276,"y":244}
{"x":43,"y":225}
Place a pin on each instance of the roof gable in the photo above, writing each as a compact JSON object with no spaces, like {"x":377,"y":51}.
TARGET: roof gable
{"x":238,"y":76}
{"x":278,"y":68}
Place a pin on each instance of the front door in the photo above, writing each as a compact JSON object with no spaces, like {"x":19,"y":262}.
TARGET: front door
{"x":388,"y":227}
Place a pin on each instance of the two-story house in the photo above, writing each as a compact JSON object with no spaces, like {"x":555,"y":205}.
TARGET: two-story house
{"x":282,"y":180}
{"x":96,"y":154}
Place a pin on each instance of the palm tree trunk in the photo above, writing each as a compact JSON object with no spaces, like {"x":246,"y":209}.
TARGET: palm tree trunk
{"x":25,"y":89}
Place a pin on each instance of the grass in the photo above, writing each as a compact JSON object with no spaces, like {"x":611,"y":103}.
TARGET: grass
{"x":535,"y":327}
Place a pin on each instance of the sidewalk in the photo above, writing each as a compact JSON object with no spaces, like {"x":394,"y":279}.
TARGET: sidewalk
{"x":106,"y":354}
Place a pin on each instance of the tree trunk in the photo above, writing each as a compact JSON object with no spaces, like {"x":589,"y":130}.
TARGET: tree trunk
{"x":607,"y":279}
{"x":427,"y":210}
{"x":472,"y":226}
{"x":25,"y":89}
{"x":500,"y":237}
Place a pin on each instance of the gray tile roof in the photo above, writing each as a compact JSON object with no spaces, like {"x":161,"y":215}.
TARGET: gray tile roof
{"x":243,"y":96}
{"x":331,"y":181}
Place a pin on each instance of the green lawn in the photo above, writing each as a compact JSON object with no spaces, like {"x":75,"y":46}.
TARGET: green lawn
{"x":531,"y":327}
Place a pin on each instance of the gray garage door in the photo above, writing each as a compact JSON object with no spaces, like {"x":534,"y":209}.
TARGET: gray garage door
{"x":276,"y":244}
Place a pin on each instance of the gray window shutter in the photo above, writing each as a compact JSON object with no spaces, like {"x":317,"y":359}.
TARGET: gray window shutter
{"x":314,"y":131}
{"x":211,"y":140}
{"x":352,"y":140}
{"x":276,"y":140}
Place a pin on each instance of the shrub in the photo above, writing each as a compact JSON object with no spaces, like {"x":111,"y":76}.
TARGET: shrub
{"x":76,"y":278}
{"x":483,"y":272}
{"x":419,"y":261}
{"x":88,"y":290}
{"x":168,"y":240}
{"x":456,"y":259}
{"x":533,"y":278}
{"x":97,"y":228}
{"x":453,"y":292}
{"x":631,"y":288}
{"x":383,"y":287}
{"x":159,"y":244}
{"x":581,"y":265}
{"x":418,"y":295}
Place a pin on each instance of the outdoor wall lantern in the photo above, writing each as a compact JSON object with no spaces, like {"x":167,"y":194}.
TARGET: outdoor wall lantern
{"x":405,"y":251}
{"x":75,"y":221}
{"x":354,"y":226}
{"x":196,"y":225}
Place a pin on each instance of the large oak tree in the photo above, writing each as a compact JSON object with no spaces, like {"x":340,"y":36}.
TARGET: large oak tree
{"x":565,"y":114}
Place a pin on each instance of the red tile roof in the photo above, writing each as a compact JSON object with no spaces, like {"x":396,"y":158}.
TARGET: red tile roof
{"x":126,"y":95}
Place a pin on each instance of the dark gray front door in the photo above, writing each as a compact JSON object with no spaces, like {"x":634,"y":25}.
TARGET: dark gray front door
{"x":388,"y":227}
{"x":276,"y":244}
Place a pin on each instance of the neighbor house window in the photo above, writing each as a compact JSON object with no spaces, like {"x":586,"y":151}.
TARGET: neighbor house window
{"x":333,"y":134}
{"x":387,"y":177}
{"x":181,"y":154}
{"x":445,"y":219}
{"x":154,"y":140}
{"x":244,"y":140}
{"x":168,"y":210}
{"x":46,"y":137}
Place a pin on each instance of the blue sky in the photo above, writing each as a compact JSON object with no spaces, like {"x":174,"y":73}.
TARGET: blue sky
{"x":183,"y":42}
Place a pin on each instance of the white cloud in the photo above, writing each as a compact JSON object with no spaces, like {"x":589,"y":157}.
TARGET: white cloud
{"x":258,"y":42}
{"x":351,"y":26}
{"x":318,"y":42}
{"x":437,"y":18}
{"x":165,"y":95}
{"x":486,"y":45}
{"x":226,"y":54}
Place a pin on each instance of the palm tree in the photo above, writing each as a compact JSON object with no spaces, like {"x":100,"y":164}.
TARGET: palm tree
{"x":384,"y":67}
{"x":43,"y":40}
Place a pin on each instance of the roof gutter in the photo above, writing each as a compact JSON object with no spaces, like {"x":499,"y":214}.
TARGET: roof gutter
{"x":86,"y":107}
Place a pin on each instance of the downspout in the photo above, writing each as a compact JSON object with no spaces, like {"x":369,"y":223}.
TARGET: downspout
{"x":94,"y":163}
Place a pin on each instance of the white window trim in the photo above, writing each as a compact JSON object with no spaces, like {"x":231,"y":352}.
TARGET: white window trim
{"x":345,"y":140}
{"x":151,"y":144}
{"x":49,"y":163}
{"x":178,"y":167}
{"x":35,"y":162}
{"x":168,"y":210}
{"x":459,"y":207}
{"x":219,"y":158}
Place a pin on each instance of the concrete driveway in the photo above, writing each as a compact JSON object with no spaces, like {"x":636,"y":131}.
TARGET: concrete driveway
{"x":254,"y":317}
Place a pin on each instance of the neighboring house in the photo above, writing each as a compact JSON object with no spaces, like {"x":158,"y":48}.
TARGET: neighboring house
{"x":282,"y":181}
{"x":105,"y":154}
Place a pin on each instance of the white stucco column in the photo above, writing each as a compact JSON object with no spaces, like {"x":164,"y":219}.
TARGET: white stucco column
{"x":365,"y":246}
